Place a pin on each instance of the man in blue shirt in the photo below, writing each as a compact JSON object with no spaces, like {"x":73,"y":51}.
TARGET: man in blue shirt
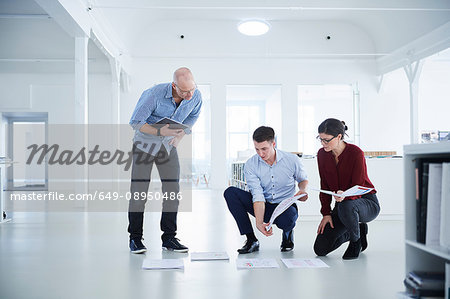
{"x":271,"y":176}
{"x":180,"y":101}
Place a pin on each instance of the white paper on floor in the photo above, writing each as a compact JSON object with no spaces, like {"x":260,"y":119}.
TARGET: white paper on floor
{"x":152,"y":264}
{"x":256,"y":263}
{"x":304,"y":263}
{"x":209,"y":256}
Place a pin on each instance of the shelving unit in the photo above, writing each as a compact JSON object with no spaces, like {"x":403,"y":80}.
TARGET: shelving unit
{"x":237,"y":175}
{"x":421,"y":257}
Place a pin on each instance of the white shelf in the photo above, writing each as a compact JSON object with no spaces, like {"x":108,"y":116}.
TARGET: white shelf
{"x":442,"y":147}
{"x":420,"y":257}
{"x":435,"y":250}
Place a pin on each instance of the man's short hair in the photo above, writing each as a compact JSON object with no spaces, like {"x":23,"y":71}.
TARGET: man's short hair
{"x":264,"y":134}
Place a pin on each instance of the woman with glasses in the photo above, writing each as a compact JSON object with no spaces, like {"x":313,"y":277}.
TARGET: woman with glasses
{"x":341,"y":166}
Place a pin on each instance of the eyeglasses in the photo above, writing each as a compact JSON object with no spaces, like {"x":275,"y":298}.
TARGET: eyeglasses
{"x":325,"y":141}
{"x":186,"y":91}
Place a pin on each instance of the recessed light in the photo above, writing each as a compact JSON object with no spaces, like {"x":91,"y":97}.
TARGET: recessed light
{"x":253,"y":27}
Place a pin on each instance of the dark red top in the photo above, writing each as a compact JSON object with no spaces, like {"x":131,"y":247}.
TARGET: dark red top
{"x":351,"y":170}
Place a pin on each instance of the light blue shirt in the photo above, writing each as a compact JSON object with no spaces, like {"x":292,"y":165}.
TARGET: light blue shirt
{"x":156,"y":103}
{"x":274,"y":183}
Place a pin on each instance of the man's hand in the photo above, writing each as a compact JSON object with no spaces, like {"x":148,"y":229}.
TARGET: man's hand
{"x":326,"y":219}
{"x":262,"y":228}
{"x":337,"y":198}
{"x":166,"y":131}
{"x":175,"y":140}
{"x":304,"y":198}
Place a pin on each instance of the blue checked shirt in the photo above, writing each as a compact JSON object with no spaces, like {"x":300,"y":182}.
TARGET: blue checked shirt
{"x":156,"y":103}
{"x":277,"y":182}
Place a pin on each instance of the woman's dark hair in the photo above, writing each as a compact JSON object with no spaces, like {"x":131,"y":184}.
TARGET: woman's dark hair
{"x":264,"y":134}
{"x":334,"y":127}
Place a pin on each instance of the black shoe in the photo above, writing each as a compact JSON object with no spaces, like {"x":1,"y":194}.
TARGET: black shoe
{"x":353,"y":250}
{"x":363,"y":230}
{"x":136,"y":246}
{"x":249,"y":246}
{"x":288,"y":241}
{"x":173,"y":244}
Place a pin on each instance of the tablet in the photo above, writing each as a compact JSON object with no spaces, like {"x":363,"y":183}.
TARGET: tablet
{"x":173,"y":124}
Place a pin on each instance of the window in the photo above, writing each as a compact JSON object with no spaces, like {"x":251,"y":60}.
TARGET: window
{"x":201,"y":139}
{"x":317,"y":103}
{"x":249,"y":107}
{"x":24,"y":131}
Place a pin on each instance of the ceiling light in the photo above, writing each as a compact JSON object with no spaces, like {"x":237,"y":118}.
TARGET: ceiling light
{"x":253,"y":27}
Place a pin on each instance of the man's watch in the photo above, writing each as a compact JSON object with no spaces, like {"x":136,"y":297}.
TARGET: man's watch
{"x":158,"y":132}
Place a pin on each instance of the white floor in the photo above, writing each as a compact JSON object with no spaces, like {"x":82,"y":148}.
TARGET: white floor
{"x":86,"y":255}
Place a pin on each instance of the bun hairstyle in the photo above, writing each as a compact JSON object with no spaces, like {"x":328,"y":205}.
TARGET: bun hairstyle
{"x":345,"y":127}
{"x":334,"y":127}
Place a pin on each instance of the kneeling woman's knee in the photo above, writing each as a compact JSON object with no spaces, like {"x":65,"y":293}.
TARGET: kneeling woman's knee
{"x":321,"y":246}
{"x":346,"y":208}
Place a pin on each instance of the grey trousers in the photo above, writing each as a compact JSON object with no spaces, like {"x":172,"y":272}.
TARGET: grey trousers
{"x":169,"y":171}
{"x":346,"y":217}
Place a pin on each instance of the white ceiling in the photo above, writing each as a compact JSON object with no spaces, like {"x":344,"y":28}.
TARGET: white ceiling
{"x":30,"y":39}
{"x":151,"y":28}
{"x":139,"y":25}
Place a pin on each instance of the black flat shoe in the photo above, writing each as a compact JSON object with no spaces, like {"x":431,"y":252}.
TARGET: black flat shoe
{"x":363,"y":230}
{"x":353,"y":250}
{"x":249,"y":246}
{"x":287,"y":244}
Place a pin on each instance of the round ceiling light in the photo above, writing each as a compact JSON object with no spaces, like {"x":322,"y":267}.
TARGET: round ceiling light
{"x":253,"y":27}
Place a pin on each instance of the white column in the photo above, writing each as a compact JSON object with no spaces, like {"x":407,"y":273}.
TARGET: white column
{"x":115,"y":117}
{"x":413,"y":71}
{"x":289,"y":117}
{"x":219,"y":170}
{"x":81,"y":80}
{"x":356,"y":114}
{"x":115,"y":101}
{"x":81,"y":108}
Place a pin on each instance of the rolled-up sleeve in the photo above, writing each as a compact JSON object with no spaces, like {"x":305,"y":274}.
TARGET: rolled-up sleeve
{"x":144,"y":108}
{"x":299,"y":171}
{"x":253,"y":183}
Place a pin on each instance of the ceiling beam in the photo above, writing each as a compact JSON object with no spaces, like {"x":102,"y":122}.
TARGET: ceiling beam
{"x":319,"y":5}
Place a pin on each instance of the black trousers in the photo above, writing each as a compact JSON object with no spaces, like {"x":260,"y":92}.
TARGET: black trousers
{"x":169,"y":171}
{"x":346,"y":217}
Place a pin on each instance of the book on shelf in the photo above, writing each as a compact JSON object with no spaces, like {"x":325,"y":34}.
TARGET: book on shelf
{"x":421,"y":172}
{"x":444,"y":239}
{"x":447,"y":281}
{"x":420,"y":283}
{"x":423,"y":189}
{"x":433,"y":222}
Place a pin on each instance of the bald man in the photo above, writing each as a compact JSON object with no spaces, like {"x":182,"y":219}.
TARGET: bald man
{"x":181,"y":101}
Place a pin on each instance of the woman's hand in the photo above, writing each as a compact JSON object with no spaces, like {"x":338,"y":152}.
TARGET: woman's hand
{"x":337,"y":198}
{"x":326,"y":219}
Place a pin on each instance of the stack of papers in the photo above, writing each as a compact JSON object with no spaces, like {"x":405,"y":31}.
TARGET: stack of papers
{"x":304,"y":263}
{"x":209,"y":256}
{"x":150,"y":264}
{"x":256,"y":263}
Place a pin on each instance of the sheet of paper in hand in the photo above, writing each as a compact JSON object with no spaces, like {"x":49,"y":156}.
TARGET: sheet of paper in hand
{"x":282,"y":206}
{"x":353,"y":191}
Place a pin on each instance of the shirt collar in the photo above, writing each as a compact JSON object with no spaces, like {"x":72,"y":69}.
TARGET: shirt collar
{"x":279,"y":156}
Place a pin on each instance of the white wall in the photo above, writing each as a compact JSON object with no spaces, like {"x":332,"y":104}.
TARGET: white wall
{"x":54,"y":93}
{"x":379,"y":130}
